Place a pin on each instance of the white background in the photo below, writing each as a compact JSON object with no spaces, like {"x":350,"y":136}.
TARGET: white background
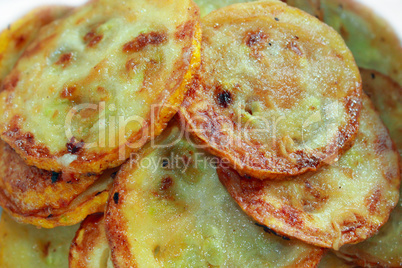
{"x":10,"y":10}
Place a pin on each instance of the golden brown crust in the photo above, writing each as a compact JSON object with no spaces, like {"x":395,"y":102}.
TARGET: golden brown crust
{"x":158,"y":65}
{"x":21,"y":33}
{"x":46,"y":198}
{"x":340,"y":204}
{"x":255,"y":108}
{"x":90,"y":247}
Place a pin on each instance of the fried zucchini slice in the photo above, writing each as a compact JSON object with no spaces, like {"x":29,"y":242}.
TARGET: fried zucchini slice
{"x":99,"y":83}
{"x":45,"y":198}
{"x":20,"y":34}
{"x":90,"y":248}
{"x":26,"y":246}
{"x":278,"y":92}
{"x":346,"y":202}
{"x":383,"y":249}
{"x":168,"y":209}
{"x":371,"y":39}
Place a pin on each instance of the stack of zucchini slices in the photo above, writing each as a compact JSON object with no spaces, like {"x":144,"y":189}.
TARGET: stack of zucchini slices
{"x":154,"y":133}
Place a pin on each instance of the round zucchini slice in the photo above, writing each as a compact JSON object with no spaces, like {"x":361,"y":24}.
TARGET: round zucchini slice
{"x":45,"y":198}
{"x":384,"y":248}
{"x":278,"y":93}
{"x":23,"y":245}
{"x":99,"y":83}
{"x":90,"y":248}
{"x":168,"y":209}
{"x":21,"y":33}
{"x":344,"y":203}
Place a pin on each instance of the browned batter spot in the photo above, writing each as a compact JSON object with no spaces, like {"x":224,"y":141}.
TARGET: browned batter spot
{"x":373,"y":201}
{"x":92,"y":39}
{"x":10,"y":82}
{"x":65,"y":59}
{"x":255,"y":38}
{"x":185,"y":30}
{"x":166,"y":183}
{"x":20,"y":41}
{"x":131,"y":65}
{"x":68,"y":92}
{"x":141,"y":41}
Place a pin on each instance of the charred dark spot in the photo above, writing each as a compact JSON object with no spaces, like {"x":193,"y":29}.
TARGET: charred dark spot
{"x":224,"y":98}
{"x":247,"y":177}
{"x":73,"y":146}
{"x":113,"y":175}
{"x":185,"y":30}
{"x":166,"y":183}
{"x":276,"y":19}
{"x":270,"y":231}
{"x":141,"y":41}
{"x":373,"y":75}
{"x":65,"y":59}
{"x":116,"y":198}
{"x":92,"y":39}
{"x":90,"y":174}
{"x":255,"y":38}
{"x":98,"y":193}
{"x":55,"y":177}
{"x":50,"y":216}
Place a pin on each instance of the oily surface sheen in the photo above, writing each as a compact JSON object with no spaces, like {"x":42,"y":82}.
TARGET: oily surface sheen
{"x":91,"y":83}
{"x":21,"y":33}
{"x":172,"y":214}
{"x":278,"y":92}
{"x":90,"y":248}
{"x":26,"y":246}
{"x":371,"y":39}
{"x":46,"y":198}
{"x":385,"y":247}
{"x":342,"y":203}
